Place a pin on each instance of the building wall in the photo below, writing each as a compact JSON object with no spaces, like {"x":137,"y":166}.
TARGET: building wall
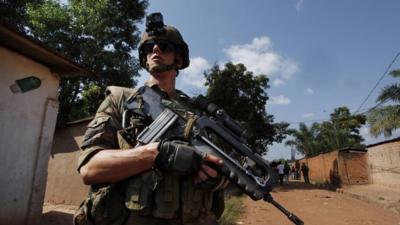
{"x":338,"y":168}
{"x":26,"y":126}
{"x":64,"y":184}
{"x":353,"y":168}
{"x":384,"y":164}
{"x":321,"y":167}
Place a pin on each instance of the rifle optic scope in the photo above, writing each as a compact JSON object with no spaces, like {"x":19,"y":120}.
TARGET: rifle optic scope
{"x":219,"y":113}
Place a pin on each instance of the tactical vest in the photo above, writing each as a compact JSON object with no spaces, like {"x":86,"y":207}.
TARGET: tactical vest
{"x":151,"y":194}
{"x":162,"y":195}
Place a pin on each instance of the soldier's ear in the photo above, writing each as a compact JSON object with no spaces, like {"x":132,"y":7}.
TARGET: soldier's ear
{"x":178,"y":61}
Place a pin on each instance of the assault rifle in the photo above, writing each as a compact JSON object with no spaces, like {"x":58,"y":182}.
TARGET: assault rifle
{"x":220,"y":123}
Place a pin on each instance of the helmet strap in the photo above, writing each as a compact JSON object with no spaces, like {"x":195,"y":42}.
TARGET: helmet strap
{"x":157,"y":68}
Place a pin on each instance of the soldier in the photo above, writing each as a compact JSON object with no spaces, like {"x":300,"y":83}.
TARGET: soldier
{"x":140,"y":185}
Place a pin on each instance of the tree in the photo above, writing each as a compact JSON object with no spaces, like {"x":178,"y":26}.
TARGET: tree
{"x":341,"y":131}
{"x":13,"y":12}
{"x":99,"y":34}
{"x":385,"y":119}
{"x":304,"y":140}
{"x":243,"y":96}
{"x":346,"y":128}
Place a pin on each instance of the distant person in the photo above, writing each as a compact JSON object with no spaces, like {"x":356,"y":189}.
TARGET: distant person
{"x":304,"y":170}
{"x":273,"y":166}
{"x":286,"y":172}
{"x":281,"y":172}
{"x":293,"y":172}
{"x":297,"y":167}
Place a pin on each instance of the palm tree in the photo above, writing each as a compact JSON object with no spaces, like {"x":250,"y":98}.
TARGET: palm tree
{"x":340,"y":132}
{"x":385,"y":119}
{"x":304,"y":139}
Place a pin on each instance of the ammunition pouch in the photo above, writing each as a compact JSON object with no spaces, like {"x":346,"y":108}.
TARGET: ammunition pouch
{"x":103,"y":206}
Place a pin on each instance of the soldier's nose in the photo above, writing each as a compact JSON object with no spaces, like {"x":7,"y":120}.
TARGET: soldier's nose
{"x":156,"y":49}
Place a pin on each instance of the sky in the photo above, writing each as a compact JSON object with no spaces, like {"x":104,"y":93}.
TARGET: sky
{"x":318,"y":55}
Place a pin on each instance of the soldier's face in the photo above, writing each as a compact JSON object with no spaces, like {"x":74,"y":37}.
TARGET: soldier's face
{"x":162,"y":53}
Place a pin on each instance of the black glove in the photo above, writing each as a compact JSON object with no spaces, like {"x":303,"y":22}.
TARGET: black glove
{"x":178,"y":157}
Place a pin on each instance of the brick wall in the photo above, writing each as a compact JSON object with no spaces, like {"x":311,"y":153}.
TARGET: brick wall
{"x":353,"y":167}
{"x":384,"y":163}
{"x":321,"y":166}
{"x":338,"y":167}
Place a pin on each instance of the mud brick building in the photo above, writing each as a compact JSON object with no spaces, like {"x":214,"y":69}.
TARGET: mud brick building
{"x":64,"y":184}
{"x":384,"y":163}
{"x":345,"y":166}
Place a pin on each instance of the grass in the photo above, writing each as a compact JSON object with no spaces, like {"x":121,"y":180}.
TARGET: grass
{"x":233,"y":209}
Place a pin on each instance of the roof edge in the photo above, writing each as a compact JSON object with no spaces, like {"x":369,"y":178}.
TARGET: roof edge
{"x":34,"y":49}
{"x":384,"y":142}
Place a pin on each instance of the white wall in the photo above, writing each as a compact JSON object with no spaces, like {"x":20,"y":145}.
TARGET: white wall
{"x":27,"y":122}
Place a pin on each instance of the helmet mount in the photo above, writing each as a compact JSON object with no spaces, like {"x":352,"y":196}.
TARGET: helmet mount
{"x":155,"y":24}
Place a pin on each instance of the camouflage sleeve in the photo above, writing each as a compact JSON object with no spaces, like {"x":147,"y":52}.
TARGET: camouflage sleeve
{"x":102,"y":131}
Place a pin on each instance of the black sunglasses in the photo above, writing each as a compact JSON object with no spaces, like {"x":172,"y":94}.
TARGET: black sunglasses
{"x":165,"y":46}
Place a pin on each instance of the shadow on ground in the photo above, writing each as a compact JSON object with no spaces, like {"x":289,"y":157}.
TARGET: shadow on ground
{"x":300,"y":185}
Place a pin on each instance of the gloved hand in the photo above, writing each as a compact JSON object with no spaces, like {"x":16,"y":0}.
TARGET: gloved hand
{"x":178,"y":157}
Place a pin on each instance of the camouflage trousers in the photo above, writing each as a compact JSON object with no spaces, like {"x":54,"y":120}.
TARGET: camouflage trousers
{"x":136,"y":219}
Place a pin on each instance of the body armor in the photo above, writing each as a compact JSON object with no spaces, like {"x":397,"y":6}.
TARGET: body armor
{"x":151,"y":194}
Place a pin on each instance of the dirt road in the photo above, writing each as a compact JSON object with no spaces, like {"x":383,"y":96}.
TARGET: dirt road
{"x":316,"y":207}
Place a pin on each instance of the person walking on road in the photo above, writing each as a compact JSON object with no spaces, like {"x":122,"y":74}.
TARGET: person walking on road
{"x":286,"y":172}
{"x":281,"y":172}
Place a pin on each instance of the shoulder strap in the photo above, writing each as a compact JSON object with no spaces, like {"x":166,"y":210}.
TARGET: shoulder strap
{"x":152,"y":98}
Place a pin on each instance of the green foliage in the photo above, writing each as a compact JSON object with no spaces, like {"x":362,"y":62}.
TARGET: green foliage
{"x":13,"y":12}
{"x":385,"y":119}
{"x":99,"y":34}
{"x":243,"y":96}
{"x":233,"y":209}
{"x":92,"y":96}
{"x":342,"y":131}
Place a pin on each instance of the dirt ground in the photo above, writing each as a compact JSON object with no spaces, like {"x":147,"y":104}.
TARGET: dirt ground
{"x":313,"y":205}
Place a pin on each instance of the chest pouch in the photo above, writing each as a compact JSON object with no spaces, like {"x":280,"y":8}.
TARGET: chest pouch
{"x":152,"y":193}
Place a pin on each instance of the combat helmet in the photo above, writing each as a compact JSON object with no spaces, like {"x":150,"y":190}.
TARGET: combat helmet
{"x":156,"y":30}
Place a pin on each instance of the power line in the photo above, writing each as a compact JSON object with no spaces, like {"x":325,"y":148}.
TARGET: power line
{"x":364,"y":111}
{"x":367,"y":110}
{"x":377,"y":83}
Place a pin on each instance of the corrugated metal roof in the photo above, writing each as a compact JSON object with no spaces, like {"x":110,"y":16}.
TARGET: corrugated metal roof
{"x":35,"y":50}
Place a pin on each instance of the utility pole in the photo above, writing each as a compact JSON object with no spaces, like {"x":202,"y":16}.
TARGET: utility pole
{"x":293,"y":153}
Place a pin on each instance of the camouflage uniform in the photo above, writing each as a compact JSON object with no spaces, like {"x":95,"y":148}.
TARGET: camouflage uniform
{"x":150,"y":197}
